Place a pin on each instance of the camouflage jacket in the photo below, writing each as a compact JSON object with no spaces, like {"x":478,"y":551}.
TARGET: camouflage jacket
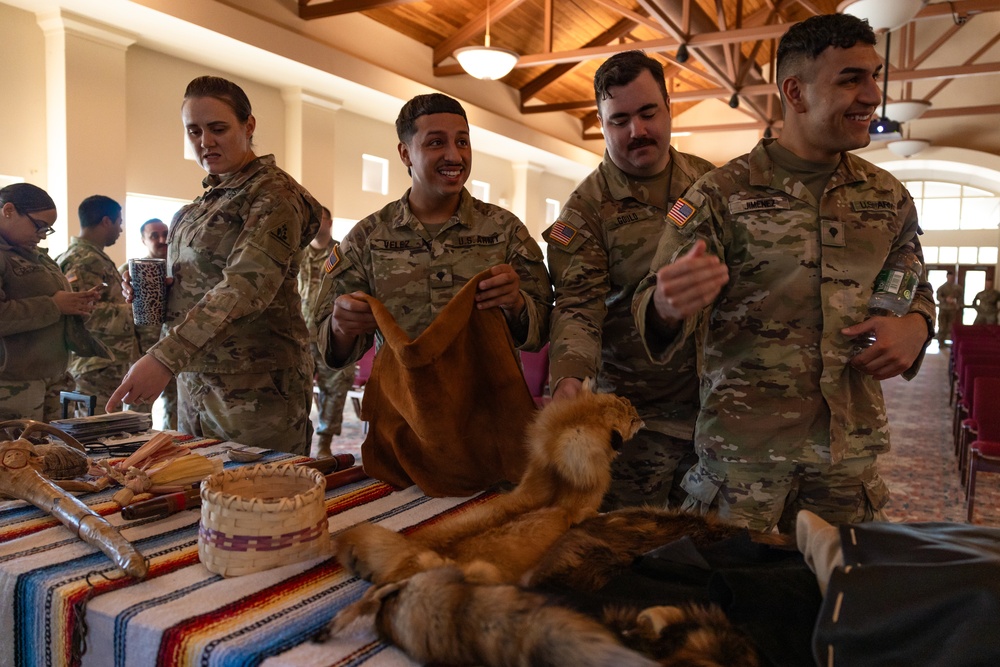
{"x":310,"y":280}
{"x":987,"y":302}
{"x":950,"y":290}
{"x":776,"y":384}
{"x":32,"y":338}
{"x":87,"y":266}
{"x":234,"y":256}
{"x":391,"y":256}
{"x":598,"y":251}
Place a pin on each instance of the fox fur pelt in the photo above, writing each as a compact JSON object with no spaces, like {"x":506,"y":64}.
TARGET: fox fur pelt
{"x":442,"y":616}
{"x":571,"y":444}
{"x":589,"y":554}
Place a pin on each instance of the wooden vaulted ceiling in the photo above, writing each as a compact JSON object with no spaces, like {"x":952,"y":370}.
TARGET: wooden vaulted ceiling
{"x":730,"y":46}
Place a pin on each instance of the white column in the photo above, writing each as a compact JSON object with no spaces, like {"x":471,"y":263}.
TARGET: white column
{"x":85,"y":106}
{"x":528,"y":204}
{"x":309,"y":141}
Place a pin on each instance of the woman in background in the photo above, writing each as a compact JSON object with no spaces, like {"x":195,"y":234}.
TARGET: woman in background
{"x":236,"y":338}
{"x":37,"y":308}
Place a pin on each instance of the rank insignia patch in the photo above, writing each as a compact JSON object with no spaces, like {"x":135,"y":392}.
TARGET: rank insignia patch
{"x":333,"y":260}
{"x":680,"y":213}
{"x":562,"y":233}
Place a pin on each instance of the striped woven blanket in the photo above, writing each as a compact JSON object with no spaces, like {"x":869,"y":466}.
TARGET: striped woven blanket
{"x":62,"y":602}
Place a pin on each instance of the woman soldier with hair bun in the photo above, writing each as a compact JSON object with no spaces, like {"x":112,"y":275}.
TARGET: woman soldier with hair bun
{"x":236,"y":338}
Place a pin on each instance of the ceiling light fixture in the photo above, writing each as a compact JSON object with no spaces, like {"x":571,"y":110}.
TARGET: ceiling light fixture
{"x":906,"y":110}
{"x":682,"y":54}
{"x":882,"y":15}
{"x":883,"y":129}
{"x":488,"y":63}
{"x":734,"y":101}
{"x":907,"y":147}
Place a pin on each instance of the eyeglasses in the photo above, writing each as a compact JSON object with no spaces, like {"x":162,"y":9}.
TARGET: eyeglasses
{"x":42,"y":226}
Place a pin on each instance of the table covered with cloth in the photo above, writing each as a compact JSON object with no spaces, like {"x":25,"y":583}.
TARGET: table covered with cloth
{"x":59,"y":595}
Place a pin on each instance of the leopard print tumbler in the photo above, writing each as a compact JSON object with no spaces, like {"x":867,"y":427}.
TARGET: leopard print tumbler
{"x":149,"y":290}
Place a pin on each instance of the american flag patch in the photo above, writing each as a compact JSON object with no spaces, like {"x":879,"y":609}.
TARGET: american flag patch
{"x":680,"y":212}
{"x":333,"y":260}
{"x":561,"y":233}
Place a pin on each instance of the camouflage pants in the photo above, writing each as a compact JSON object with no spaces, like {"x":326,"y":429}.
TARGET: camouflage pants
{"x":761,"y":496}
{"x":101,"y":383}
{"x":946,"y":318}
{"x":648,"y":470}
{"x":333,"y":387}
{"x":256,"y":409}
{"x":33,"y":399}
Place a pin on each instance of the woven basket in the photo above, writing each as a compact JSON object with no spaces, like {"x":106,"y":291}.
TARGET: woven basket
{"x":258,"y":517}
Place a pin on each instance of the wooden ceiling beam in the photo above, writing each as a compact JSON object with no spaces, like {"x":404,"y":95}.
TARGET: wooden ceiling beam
{"x":338,"y":7}
{"x":540,"y":82}
{"x":959,"y":8}
{"x":769,"y":89}
{"x":983,"y":49}
{"x":641,"y":19}
{"x":473,"y":28}
{"x":986,"y":110}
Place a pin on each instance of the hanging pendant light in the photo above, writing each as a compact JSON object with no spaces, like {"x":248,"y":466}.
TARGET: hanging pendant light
{"x":882,"y":15}
{"x":486,"y":62}
{"x":908,"y":147}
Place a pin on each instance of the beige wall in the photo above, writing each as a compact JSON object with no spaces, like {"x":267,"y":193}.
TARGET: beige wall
{"x":22,"y":113}
{"x":151,"y":94}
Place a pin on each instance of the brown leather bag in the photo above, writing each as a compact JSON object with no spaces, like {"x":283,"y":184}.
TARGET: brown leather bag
{"x":448,"y":410}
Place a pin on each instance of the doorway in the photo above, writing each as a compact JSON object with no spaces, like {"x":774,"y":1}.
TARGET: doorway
{"x":972,"y":277}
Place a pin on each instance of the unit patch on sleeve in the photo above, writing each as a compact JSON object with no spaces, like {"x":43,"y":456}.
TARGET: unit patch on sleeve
{"x":333,"y":260}
{"x":680,"y":213}
{"x":562,"y":233}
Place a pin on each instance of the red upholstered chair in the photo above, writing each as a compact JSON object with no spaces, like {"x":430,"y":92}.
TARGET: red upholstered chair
{"x":984,"y":452}
{"x":535,"y":366}
{"x":362,"y":372}
{"x":965,"y":397}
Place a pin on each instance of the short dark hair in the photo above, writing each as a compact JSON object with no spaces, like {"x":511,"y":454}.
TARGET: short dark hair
{"x":806,"y":40}
{"x":424,"y":105}
{"x":26,"y":198}
{"x":223,"y":90}
{"x":93,"y":209}
{"x":142,"y":227}
{"x":622,"y":69}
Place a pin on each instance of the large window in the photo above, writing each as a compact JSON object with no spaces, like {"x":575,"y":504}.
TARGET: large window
{"x":480,"y":190}
{"x":140,"y":208}
{"x":946,"y":206}
{"x":374,"y":174}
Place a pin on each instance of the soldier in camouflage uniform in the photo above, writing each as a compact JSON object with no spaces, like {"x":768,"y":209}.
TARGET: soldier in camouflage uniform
{"x":236,"y":337}
{"x":154,"y":237}
{"x":598,"y":251}
{"x":415,"y":254}
{"x":39,"y":313}
{"x":87,"y":266}
{"x":949,"y":297}
{"x":986,"y":304}
{"x":781,"y":248}
{"x":333,"y":385}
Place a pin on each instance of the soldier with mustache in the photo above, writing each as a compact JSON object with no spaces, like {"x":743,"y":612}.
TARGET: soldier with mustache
{"x":416,"y":253}
{"x":598,"y":251}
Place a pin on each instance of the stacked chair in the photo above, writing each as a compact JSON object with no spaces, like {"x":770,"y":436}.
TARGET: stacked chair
{"x":536,"y":374}
{"x":984,"y":451}
{"x":975,"y":380}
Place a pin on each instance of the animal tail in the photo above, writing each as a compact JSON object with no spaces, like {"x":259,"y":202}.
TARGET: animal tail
{"x":563,"y":637}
